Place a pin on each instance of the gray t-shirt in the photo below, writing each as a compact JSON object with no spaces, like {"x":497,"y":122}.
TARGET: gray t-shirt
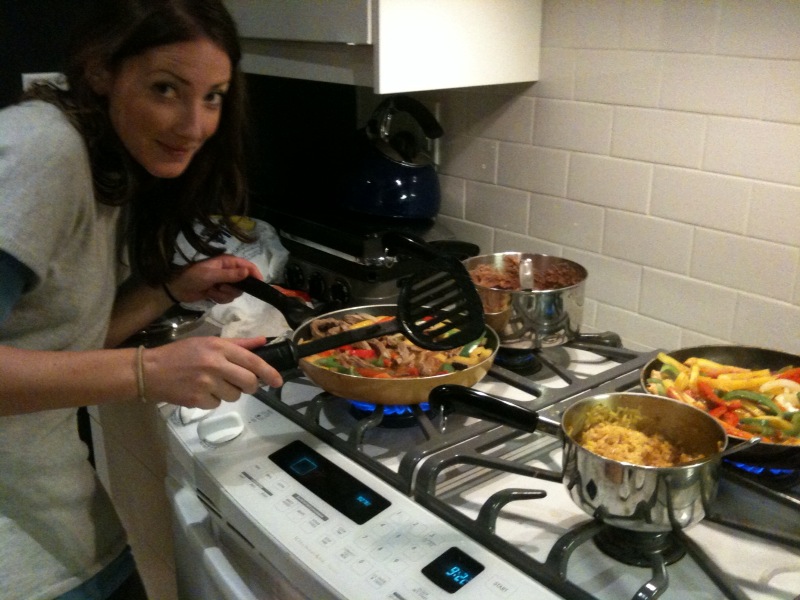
{"x":57,"y":524}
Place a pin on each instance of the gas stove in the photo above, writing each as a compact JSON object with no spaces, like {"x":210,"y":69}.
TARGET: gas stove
{"x":480,"y":501}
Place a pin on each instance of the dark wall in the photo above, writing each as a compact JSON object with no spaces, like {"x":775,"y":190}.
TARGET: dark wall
{"x":301,"y":140}
{"x":33,"y":39}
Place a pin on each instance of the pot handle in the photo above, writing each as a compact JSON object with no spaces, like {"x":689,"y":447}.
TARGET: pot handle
{"x":474,"y":403}
{"x":378,"y":124}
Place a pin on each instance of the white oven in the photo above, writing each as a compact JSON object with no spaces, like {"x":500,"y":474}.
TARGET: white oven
{"x":293,"y":493}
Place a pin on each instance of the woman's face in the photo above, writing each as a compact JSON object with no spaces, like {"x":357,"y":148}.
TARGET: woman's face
{"x":165,"y":103}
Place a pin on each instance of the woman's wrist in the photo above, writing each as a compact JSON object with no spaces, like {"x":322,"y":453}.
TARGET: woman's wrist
{"x":169,"y":294}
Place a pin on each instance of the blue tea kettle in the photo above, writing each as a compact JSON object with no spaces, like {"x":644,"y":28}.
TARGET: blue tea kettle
{"x":394,"y":175}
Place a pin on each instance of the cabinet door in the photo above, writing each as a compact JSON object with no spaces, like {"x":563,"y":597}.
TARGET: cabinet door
{"x":347,"y":21}
{"x":437,"y":44}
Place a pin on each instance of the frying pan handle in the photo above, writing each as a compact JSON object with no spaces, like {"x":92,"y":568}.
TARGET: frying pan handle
{"x":280,"y":355}
{"x":396,"y":240}
{"x":473,"y":403}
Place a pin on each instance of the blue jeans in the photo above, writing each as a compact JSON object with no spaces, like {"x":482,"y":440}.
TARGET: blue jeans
{"x":103,"y":585}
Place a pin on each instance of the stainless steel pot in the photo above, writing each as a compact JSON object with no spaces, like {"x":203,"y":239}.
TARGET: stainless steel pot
{"x":532,"y":318}
{"x":655,"y":499}
{"x":637,"y":497}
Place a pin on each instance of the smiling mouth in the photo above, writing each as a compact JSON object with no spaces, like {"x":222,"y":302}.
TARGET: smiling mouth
{"x":176,"y":150}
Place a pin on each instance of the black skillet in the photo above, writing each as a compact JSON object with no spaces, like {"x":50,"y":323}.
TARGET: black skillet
{"x":764,"y":454}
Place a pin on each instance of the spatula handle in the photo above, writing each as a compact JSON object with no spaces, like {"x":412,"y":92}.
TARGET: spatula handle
{"x":285,"y":355}
{"x":294,"y":310}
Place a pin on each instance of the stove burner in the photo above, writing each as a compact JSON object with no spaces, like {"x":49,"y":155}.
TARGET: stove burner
{"x":523,"y":362}
{"x":394,"y":416}
{"x":637,"y":547}
{"x":779,"y":479}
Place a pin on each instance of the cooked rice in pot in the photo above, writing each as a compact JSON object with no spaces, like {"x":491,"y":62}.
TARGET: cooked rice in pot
{"x":625,"y":435}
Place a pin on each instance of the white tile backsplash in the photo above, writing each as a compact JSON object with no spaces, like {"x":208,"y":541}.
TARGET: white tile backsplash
{"x":698,"y":198}
{"x":650,"y":242}
{"x":563,"y":222}
{"x":625,"y":183}
{"x":498,"y":207}
{"x":664,"y":156}
{"x":752,"y":265}
{"x":533,"y":168}
{"x":637,"y":331}
{"x":688,"y":302}
{"x":782,"y":101}
{"x":775,"y":214}
{"x":658,"y":136}
{"x":767,"y":323}
{"x":471,"y":158}
{"x":576,"y":126}
{"x":618,"y":77}
{"x":717,"y":85}
{"x":763,"y":28}
{"x":610,"y":281}
{"x":676,"y":25}
{"x":754,"y":149}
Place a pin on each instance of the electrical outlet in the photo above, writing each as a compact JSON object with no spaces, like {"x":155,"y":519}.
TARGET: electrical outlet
{"x":56,"y":78}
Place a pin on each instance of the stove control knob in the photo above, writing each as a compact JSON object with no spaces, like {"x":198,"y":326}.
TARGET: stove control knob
{"x":295,"y":278}
{"x":340,"y":291}
{"x":220,"y":429}
{"x":317,"y":285}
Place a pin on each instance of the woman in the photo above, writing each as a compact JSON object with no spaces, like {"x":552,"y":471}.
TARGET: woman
{"x":96,"y":184}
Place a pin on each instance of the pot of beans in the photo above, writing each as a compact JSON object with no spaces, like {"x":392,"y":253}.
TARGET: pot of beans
{"x":530,"y":300}
{"x":635,"y":461}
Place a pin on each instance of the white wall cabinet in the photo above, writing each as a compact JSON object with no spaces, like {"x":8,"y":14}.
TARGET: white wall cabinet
{"x":392,"y":46}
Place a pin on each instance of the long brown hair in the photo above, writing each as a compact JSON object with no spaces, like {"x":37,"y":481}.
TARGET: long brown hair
{"x":157,"y":210}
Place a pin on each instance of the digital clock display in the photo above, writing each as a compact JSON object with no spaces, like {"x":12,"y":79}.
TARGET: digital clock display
{"x":339,"y":489}
{"x":452,"y":570}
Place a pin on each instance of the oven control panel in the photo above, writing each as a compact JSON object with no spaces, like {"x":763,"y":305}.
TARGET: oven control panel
{"x":296,"y":500}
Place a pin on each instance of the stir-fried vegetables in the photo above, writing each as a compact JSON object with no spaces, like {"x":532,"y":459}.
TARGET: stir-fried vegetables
{"x":391,"y":356}
{"x":748,"y":402}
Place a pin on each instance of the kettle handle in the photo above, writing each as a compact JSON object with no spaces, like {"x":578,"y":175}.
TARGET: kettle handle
{"x":401,"y":103}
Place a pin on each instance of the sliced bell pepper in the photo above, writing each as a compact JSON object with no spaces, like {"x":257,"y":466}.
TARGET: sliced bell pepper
{"x":718,"y":411}
{"x":669,"y":372}
{"x":731,"y":418}
{"x":656,"y":386}
{"x":761,"y":399}
{"x":793,"y":374}
{"x":707,"y":393}
{"x":468,"y":349}
{"x":362,"y":352}
{"x":666,"y":359}
{"x":372,"y":373}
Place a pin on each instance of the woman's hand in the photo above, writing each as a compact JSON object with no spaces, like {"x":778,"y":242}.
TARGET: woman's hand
{"x":203,"y":371}
{"x":209,"y":279}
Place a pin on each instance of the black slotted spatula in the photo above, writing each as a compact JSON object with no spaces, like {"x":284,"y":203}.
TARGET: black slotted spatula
{"x":438,"y":308}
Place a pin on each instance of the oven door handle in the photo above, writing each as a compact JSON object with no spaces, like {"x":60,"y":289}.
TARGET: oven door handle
{"x":225,"y":576}
{"x":194,"y":519}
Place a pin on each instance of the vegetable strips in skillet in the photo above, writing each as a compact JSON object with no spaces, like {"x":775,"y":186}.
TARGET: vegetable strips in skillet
{"x":389,"y":356}
{"x":748,"y":402}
